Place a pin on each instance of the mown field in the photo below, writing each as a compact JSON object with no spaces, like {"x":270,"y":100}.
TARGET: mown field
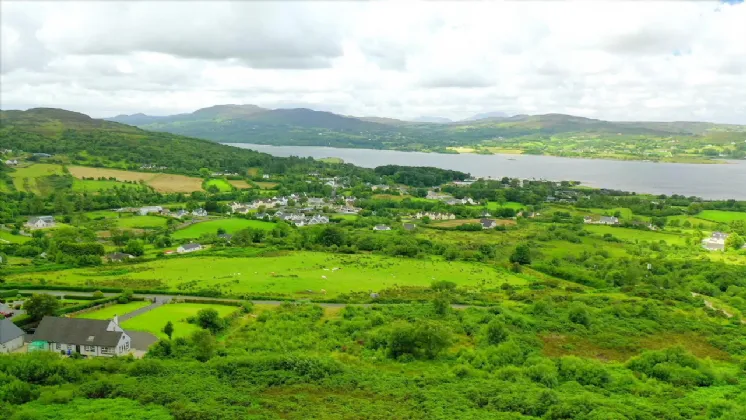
{"x":633,"y":235}
{"x":294,"y":273}
{"x":154,"y":321}
{"x":95,"y":185}
{"x":166,"y":183}
{"x":141,"y":222}
{"x":721,"y":216}
{"x":237,"y":183}
{"x":493,"y":205}
{"x":25,"y":179}
{"x":6,"y":236}
{"x":118,"y":309}
{"x":266,"y":185}
{"x":229,"y":225}
{"x":221,"y":184}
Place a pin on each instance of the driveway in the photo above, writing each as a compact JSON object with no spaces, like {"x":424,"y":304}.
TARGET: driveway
{"x":141,"y":340}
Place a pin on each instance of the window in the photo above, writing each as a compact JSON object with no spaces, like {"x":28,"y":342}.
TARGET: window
{"x":58,"y":346}
{"x":90,"y":348}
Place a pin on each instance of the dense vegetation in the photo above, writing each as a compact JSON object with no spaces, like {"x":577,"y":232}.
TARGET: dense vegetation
{"x":552,"y":134}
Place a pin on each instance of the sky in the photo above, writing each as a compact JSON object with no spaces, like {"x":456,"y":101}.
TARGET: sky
{"x":628,"y":60}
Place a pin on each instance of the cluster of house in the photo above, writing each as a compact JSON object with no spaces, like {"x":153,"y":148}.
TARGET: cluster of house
{"x":88,"y":337}
{"x":566,"y":196}
{"x":451,"y":201}
{"x":40,"y":222}
{"x":435,"y":216}
{"x":275,"y":202}
{"x":298,"y":219}
{"x":144,"y":211}
{"x":603,"y":220}
{"x":716,"y":242}
{"x":153,"y":167}
{"x":11,"y":162}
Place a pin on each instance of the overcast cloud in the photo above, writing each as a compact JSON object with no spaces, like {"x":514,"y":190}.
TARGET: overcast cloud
{"x":613,"y":60}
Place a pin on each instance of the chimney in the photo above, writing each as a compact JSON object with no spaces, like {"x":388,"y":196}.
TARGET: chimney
{"x":115,"y":319}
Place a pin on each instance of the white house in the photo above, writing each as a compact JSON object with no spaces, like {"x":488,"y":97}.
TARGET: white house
{"x":381,"y":227}
{"x":716,"y":241}
{"x":11,"y":337}
{"x":89,"y":337}
{"x":143,"y":211}
{"x":40,"y":222}
{"x":187,"y":248}
{"x":487,"y":223}
{"x":199,"y":212}
{"x":318,"y":220}
{"x":11,"y":162}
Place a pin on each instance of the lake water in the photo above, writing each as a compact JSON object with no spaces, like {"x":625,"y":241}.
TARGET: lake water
{"x":722,"y":181}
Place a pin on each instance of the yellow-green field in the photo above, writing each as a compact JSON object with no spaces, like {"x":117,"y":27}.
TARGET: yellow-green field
{"x":166,"y":183}
{"x":221,"y":184}
{"x":25,"y":179}
{"x":154,"y":321}
{"x":94,"y":185}
{"x":141,"y":222}
{"x":237,"y":183}
{"x":632,"y":235}
{"x":7,"y":237}
{"x":229,"y":225}
{"x":721,"y":216}
{"x":293,"y":273}
{"x":118,"y":309}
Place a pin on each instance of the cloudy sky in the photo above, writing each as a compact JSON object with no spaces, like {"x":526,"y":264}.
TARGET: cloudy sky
{"x":625,"y":60}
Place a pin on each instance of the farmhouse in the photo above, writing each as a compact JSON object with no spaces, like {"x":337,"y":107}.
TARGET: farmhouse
{"x":435,"y":216}
{"x":606,"y":220}
{"x":199,"y":212}
{"x":11,"y":337}
{"x":40,"y":222}
{"x":381,"y":227}
{"x":318,"y":220}
{"x":716,"y":241}
{"x":89,"y":337}
{"x":118,"y":257}
{"x":379,"y":187}
{"x":11,"y":162}
{"x":144,"y":211}
{"x":179,"y":214}
{"x":187,"y":248}
{"x":487,"y":223}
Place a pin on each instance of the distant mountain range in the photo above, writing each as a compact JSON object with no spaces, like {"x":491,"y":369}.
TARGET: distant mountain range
{"x":302,"y":126}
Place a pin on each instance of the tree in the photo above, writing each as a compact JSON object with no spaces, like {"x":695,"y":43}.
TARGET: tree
{"x":521,"y":255}
{"x":496,"y":332}
{"x":209,"y":319}
{"x":331,"y":236}
{"x":204,"y":172}
{"x":134,"y":247}
{"x":168,"y":329}
{"x":734,"y":241}
{"x":441,"y":304}
{"x":204,"y":345}
{"x":41,"y":305}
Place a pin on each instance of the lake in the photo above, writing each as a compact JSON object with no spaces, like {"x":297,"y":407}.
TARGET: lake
{"x":713,"y":182}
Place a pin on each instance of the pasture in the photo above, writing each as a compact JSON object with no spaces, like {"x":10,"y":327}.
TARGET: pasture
{"x":95,"y":185}
{"x":118,"y":309}
{"x":154,"y":321}
{"x":221,"y":184}
{"x":265,"y":185}
{"x":141,"y":222}
{"x":7,"y":237}
{"x":632,"y":235}
{"x":25,"y":179}
{"x":493,"y":205}
{"x":291,"y":274}
{"x":229,"y":225}
{"x":459,"y":222}
{"x":720,"y":216}
{"x":165,"y":183}
{"x":239,"y":184}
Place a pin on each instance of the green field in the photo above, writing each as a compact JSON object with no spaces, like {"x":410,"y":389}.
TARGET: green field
{"x":118,"y":309}
{"x":721,"y":216}
{"x":6,"y":236}
{"x":106,"y":214}
{"x":493,"y":205}
{"x":141,"y":222}
{"x":177,"y":313}
{"x":631,"y":235}
{"x":24,"y":179}
{"x":229,"y":225}
{"x":290,"y":274}
{"x":624,"y":212}
{"x":221,"y":184}
{"x":94,"y":185}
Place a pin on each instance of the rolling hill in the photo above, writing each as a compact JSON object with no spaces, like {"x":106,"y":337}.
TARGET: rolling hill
{"x":76,"y":138}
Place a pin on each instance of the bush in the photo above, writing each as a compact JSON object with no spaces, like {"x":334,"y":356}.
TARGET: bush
{"x":496,"y":332}
{"x":579,"y":314}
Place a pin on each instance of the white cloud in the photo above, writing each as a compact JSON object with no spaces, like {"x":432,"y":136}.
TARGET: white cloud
{"x":613,"y":60}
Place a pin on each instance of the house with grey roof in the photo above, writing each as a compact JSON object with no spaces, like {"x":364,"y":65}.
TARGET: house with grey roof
{"x":40,"y":222}
{"x":381,"y":227}
{"x":608,"y":220}
{"x":11,"y":337}
{"x":318,"y":220}
{"x":143,"y":211}
{"x":118,"y":257}
{"x":199,"y":212}
{"x":187,"y":248}
{"x":716,"y":241}
{"x":487,"y":223}
{"x":89,"y":337}
{"x":409,"y":226}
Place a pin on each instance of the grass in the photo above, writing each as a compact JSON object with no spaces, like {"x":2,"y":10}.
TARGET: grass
{"x":459,"y":222}
{"x":631,"y":235}
{"x":165,"y":183}
{"x":492,"y":205}
{"x":721,"y":216}
{"x":239,"y":184}
{"x":154,"y":321}
{"x":25,"y":179}
{"x":94,"y":186}
{"x":290,"y":274}
{"x":7,"y":237}
{"x":118,"y":309}
{"x":624,"y":212}
{"x":265,"y":185}
{"x":141,"y":222}
{"x":221,"y":184}
{"x":230,"y":225}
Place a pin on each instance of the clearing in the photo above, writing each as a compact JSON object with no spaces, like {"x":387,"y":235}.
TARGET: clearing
{"x":292,"y":274}
{"x":165,"y":183}
{"x":230,"y":225}
{"x":177,"y":313}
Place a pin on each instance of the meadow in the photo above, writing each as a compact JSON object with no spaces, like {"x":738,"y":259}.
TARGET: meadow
{"x":141,"y":222}
{"x":25,"y":179}
{"x":720,"y":216}
{"x":117,"y":309}
{"x":165,"y":183}
{"x":292,"y":274}
{"x":154,"y":321}
{"x":6,"y":236}
{"x":633,"y":235}
{"x":96,"y":185}
{"x":229,"y":225}
{"x":493,"y":205}
{"x":239,"y":184}
{"x":221,"y":184}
